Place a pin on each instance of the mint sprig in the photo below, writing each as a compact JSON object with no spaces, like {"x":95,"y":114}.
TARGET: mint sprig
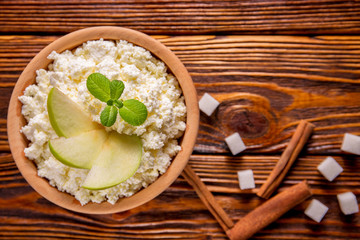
{"x":132,"y":111}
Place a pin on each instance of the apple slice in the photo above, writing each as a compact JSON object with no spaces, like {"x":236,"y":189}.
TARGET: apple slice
{"x":118,"y":160}
{"x":111,"y":157}
{"x":79,"y":151}
{"x":66,"y":117}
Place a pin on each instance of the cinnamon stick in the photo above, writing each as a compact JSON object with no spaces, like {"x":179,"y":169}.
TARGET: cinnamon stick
{"x":207,"y":198}
{"x":269,"y":211}
{"x":297,"y":142}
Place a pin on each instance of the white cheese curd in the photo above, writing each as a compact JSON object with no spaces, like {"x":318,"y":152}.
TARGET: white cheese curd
{"x":145,"y":78}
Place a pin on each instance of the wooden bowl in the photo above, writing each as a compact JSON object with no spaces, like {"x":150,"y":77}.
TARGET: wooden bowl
{"x":15,"y":120}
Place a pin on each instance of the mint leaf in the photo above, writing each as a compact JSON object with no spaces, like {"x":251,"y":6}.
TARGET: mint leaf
{"x":133,"y":112}
{"x":108,"y":116}
{"x":116,"y":89}
{"x":99,"y":86}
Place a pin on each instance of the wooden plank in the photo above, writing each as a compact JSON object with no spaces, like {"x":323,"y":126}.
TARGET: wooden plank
{"x":29,"y":216}
{"x":265,"y":84}
{"x":184,"y":16}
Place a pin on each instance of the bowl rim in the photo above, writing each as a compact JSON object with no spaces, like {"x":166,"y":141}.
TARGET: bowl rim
{"x":15,"y":119}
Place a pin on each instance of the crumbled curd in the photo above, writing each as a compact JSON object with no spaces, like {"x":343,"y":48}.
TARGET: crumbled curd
{"x":145,"y":78}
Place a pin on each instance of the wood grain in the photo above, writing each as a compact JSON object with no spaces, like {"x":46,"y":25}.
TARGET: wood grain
{"x":184,"y":16}
{"x":26,"y":215}
{"x":207,"y":198}
{"x":265,"y":84}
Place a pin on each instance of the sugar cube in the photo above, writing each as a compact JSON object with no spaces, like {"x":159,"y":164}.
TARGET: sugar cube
{"x":246,"y":179}
{"x":351,"y":143}
{"x":329,"y":168}
{"x":316,"y":210}
{"x":208,"y":104}
{"x":235,"y":143}
{"x":348,"y":203}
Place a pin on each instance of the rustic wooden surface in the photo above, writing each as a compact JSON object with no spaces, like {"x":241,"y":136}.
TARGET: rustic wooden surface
{"x":269,"y":63}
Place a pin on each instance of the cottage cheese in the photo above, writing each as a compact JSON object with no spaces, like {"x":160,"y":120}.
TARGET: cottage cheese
{"x":145,"y":78}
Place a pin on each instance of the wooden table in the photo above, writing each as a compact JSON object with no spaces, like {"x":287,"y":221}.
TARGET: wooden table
{"x":269,"y":63}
